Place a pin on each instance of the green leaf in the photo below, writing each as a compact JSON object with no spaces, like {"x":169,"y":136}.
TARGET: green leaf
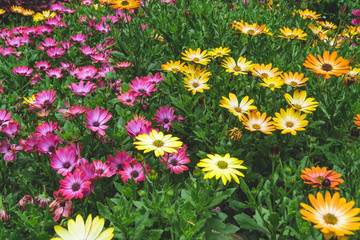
{"x":246,"y":222}
{"x":103,"y":210}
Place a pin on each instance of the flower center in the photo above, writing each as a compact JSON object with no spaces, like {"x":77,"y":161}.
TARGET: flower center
{"x":66,"y":165}
{"x":330,"y":219}
{"x":134,"y":174}
{"x":75,"y":187}
{"x":195,"y":85}
{"x":51,"y":149}
{"x":256,"y":126}
{"x":264,"y":75}
{"x":237,"y":109}
{"x":166,"y":120}
{"x":196,"y":59}
{"x":297,"y":106}
{"x":96,"y":124}
{"x":250,"y":31}
{"x":174,"y":162}
{"x":222,"y":164}
{"x":293,"y":84}
{"x":158,"y":143}
{"x":326,"y":67}
{"x":100,"y":171}
{"x":319,"y":179}
{"x":289,"y":124}
{"x":271,"y":85}
{"x":124,"y":3}
{"x":237,"y":68}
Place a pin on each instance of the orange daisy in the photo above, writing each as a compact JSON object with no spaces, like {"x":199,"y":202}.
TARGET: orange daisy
{"x":258,"y":122}
{"x":333,"y":215}
{"x":320,"y":177}
{"x":264,"y":71}
{"x":327,"y":65}
{"x":129,"y":4}
{"x":357,"y":120}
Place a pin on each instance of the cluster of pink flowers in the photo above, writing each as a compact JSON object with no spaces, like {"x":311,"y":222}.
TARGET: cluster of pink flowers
{"x":356,"y":20}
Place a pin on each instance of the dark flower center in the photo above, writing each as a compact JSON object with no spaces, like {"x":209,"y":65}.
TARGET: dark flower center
{"x":124,"y":3}
{"x":128,"y":100}
{"x":75,"y":187}
{"x":134,"y":174}
{"x":66,"y":165}
{"x":326,"y":67}
{"x":174,"y":162}
{"x":119,"y":166}
{"x":195,"y":85}
{"x":100,"y":171}
{"x":51,"y":149}
{"x":166,"y":120}
{"x":326,"y":183}
{"x":330,"y":219}
{"x":96,"y":124}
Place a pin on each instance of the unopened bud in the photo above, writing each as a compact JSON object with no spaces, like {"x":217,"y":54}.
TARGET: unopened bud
{"x":197,"y":172}
{"x":153,"y":175}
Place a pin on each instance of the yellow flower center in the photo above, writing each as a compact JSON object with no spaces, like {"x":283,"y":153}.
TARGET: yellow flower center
{"x":264,"y":75}
{"x":237,"y":109}
{"x":289,"y":124}
{"x":297,"y":106}
{"x":293,"y":83}
{"x":196,"y":59}
{"x":319,"y":179}
{"x":124,"y":3}
{"x":330,"y":219}
{"x":222,"y":164}
{"x":195,"y":85}
{"x":250,"y":31}
{"x":271,"y":85}
{"x":158,"y":143}
{"x":256,"y":126}
{"x":326,"y":67}
{"x":292,"y":35}
{"x":237,"y":68}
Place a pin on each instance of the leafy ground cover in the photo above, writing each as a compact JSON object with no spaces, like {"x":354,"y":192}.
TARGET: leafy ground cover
{"x":179,"y":119}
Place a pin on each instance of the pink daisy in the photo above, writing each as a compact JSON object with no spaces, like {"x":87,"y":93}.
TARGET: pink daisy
{"x":63,"y":161}
{"x":44,"y":99}
{"x":23,"y":71}
{"x":127,"y":98}
{"x":122,"y":65}
{"x":55,"y":73}
{"x":139,"y":126}
{"x":35,"y":79}
{"x":155,"y":79}
{"x":102,"y":169}
{"x":77,"y":148}
{"x":81,"y":89}
{"x":66,"y":45}
{"x":117,"y":162}
{"x":45,"y":128}
{"x":86,"y":73}
{"x":30,"y":145}
{"x":96,"y":119}
{"x":14,"y":42}
{"x":164,"y":117}
{"x":55,"y":52}
{"x":48,"y":43}
{"x":42,"y":65}
{"x":87,"y":50}
{"x":71,"y":112}
{"x":11,"y":128}
{"x":175,"y":161}
{"x":99,"y":58}
{"x":74,"y":185}
{"x":133,"y":170}
{"x":60,"y":207}
{"x":141,"y":87}
{"x":48,"y":143}
{"x":78,"y":38}
{"x":4,"y":117}
{"x":10,"y":150}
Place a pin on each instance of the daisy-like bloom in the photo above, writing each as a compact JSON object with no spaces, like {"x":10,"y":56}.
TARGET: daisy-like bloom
{"x":60,"y":206}
{"x":45,"y":128}
{"x":175,"y":161}
{"x":74,"y":185}
{"x":333,"y":42}
{"x":116,"y":162}
{"x":294,"y":79}
{"x":10,"y":150}
{"x":192,"y":69}
{"x":224,"y":167}
{"x":357,"y":120}
{"x":11,"y":129}
{"x":55,"y":73}
{"x":23,"y":71}
{"x":48,"y":43}
{"x":123,"y":65}
{"x":290,"y":121}
{"x":48,"y":144}
{"x":87,"y":50}
{"x":96,"y":119}
{"x":29,"y":101}
{"x":71,"y":112}
{"x":196,"y":82}
{"x":235,"y":134}
{"x":44,"y":99}
{"x":27,"y":12}
{"x":250,"y":29}
{"x":102,"y":169}
{"x":164,"y":117}
{"x":154,"y":79}
{"x":140,"y":87}
{"x":81,"y":89}
{"x":264,"y":71}
{"x":219,"y":52}
{"x":47,"y":14}
{"x":127,"y":98}
{"x":352,"y":77}
{"x":258,"y":122}
{"x":42,"y":65}
{"x":307,"y":14}
{"x":78,"y":38}
{"x":16,"y":9}
{"x":236,"y":108}
{"x":327,"y":65}
{"x":129,"y":4}
{"x":133,"y":170}
{"x":292,"y":34}
{"x":196,"y":56}
{"x":332,"y":214}
{"x":326,"y":24}
{"x":158,"y":142}
{"x":90,"y":230}
{"x":272,"y":82}
{"x":138,"y":126}
{"x":2,"y":11}
{"x":239,"y":67}
{"x":316,"y":30}
{"x":86,"y":73}
{"x":172,"y":66}
{"x":55,"y":52}
{"x":5,"y":118}
{"x":64,"y":160}
{"x":300,"y":102}
{"x":320,"y":177}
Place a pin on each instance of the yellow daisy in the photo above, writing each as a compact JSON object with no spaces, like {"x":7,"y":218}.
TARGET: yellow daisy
{"x":38,"y":17}
{"x":294,"y":79}
{"x":272,"y":83}
{"x":250,"y":29}
{"x":258,"y":122}
{"x":47,"y":14}
{"x":290,"y":121}
{"x":192,"y":69}
{"x":236,"y":108}
{"x":172,"y":66}
{"x":78,"y":230}
{"x":196,"y":82}
{"x":196,"y":56}
{"x":316,"y":30}
{"x":16,"y":9}
{"x":292,"y":34}
{"x":326,"y":24}
{"x":300,"y":102}
{"x":219,"y":52}
{"x":332,"y":214}
{"x":30,"y":101}
{"x":158,"y":142}
{"x":129,"y":4}
{"x":307,"y":14}
{"x":27,"y":12}
{"x":264,"y":71}
{"x":330,"y":41}
{"x":352,"y":77}
{"x":2,"y":11}
{"x":239,"y":67}
{"x":224,"y":167}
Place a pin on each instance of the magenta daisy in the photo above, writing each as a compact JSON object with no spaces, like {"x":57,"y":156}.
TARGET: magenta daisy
{"x":123,"y":65}
{"x":86,"y":73}
{"x":78,"y":38}
{"x":175,"y":161}
{"x":66,"y":45}
{"x":4,"y":117}
{"x":133,"y":170}
{"x":44,"y":99}
{"x":74,"y":185}
{"x":138,"y":126}
{"x":102,"y":169}
{"x":55,"y":52}
{"x":164,"y":117}
{"x":117,"y":162}
{"x":87,"y":50}
{"x":48,"y":43}
{"x":155,"y":79}
{"x":63,"y":161}
{"x":141,"y":87}
{"x":23,"y":71}
{"x":81,"y":89}
{"x":45,"y":128}
{"x":127,"y":98}
{"x":96,"y":119}
{"x":10,"y":150}
{"x":48,"y":143}
{"x":11,"y":128}
{"x":30,"y":145}
{"x":54,"y":73}
{"x":71,"y":112}
{"x":42,"y":65}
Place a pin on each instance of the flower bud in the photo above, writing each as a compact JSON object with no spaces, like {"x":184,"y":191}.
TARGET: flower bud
{"x":197,"y":172}
{"x":153,"y":175}
{"x":344,"y":11}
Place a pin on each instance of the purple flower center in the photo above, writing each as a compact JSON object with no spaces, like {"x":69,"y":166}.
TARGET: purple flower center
{"x":51,"y":149}
{"x":166,"y":120}
{"x":174,"y":162}
{"x":134,"y":174}
{"x":75,"y":187}
{"x":100,"y":171}
{"x":96,"y":124}
{"x":66,"y":165}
